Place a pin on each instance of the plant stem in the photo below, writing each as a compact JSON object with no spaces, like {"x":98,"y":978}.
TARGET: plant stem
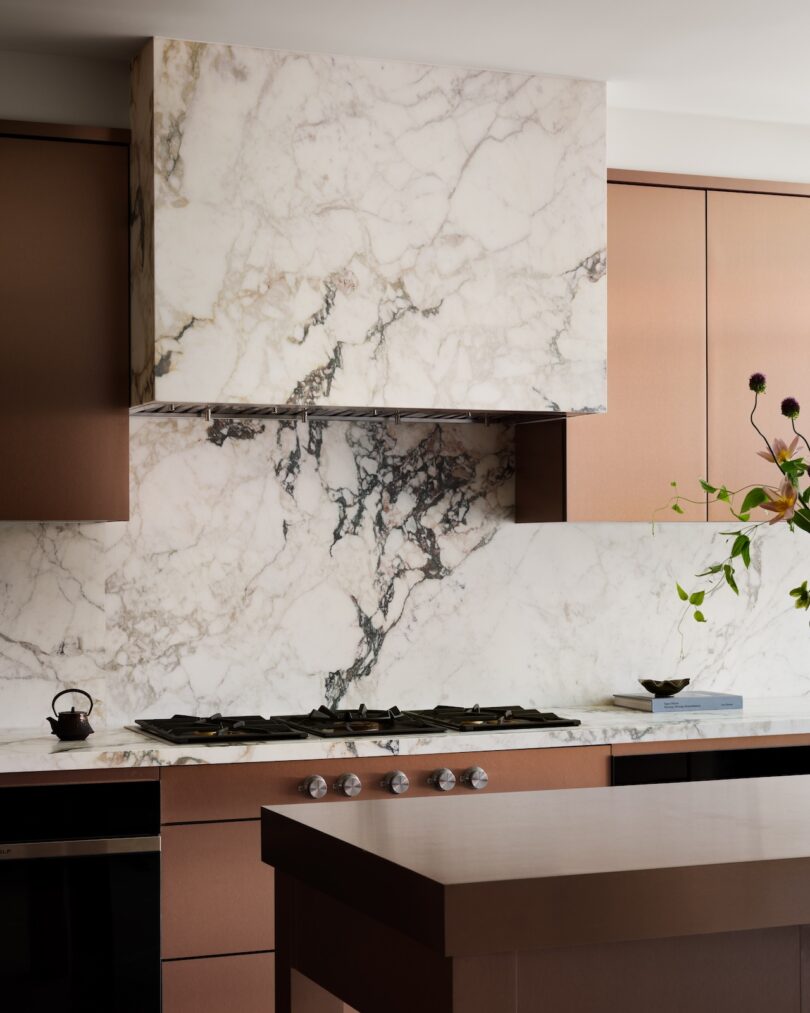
{"x":800,"y":435}
{"x":764,"y":438}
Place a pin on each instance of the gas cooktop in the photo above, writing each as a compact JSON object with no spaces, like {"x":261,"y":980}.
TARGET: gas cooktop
{"x":185,"y":729}
{"x":329,"y":723}
{"x":494,"y":719}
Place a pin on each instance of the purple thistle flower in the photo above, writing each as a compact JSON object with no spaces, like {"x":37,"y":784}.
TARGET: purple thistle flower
{"x":757,"y":383}
{"x":790,"y":408}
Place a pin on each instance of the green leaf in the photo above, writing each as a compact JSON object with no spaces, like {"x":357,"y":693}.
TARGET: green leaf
{"x":740,"y":542}
{"x":711,"y":570}
{"x":673,"y":484}
{"x":756,"y":497}
{"x":794,"y":469}
{"x":706,"y":487}
{"x":746,"y":554}
{"x":728,"y":569}
{"x":677,"y":509}
{"x":724,"y":495}
{"x":681,"y":593}
{"x":802,"y":520}
{"x":699,"y":617}
{"x":697,"y":598}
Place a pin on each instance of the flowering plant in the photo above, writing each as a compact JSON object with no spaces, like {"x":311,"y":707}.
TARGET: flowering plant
{"x":786,"y":501}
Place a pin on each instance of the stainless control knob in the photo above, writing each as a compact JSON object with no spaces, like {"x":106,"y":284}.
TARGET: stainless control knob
{"x":396,"y":781}
{"x":314,"y":786}
{"x":475,"y":777}
{"x":349,"y":785}
{"x":442,"y":779}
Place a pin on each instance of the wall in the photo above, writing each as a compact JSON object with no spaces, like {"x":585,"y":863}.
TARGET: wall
{"x":706,"y":145}
{"x":63,"y":89}
{"x":270,"y":567}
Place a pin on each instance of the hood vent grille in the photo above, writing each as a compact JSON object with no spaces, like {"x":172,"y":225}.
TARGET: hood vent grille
{"x":318,"y":413}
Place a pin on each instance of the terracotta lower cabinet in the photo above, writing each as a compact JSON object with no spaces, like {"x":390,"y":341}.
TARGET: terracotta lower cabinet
{"x":240,"y":983}
{"x":216,"y":895}
{"x":218,"y":931}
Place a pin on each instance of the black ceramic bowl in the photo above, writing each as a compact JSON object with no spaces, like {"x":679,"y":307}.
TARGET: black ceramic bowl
{"x":664,"y":687}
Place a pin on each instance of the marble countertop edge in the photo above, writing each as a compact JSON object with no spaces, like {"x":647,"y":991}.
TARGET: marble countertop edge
{"x":28,"y":750}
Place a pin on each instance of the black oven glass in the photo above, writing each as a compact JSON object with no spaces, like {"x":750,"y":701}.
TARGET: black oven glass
{"x":80,"y":933}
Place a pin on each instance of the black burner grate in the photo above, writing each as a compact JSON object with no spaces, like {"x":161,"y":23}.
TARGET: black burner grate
{"x":494,"y":719}
{"x":186,"y":729}
{"x":327,"y":722}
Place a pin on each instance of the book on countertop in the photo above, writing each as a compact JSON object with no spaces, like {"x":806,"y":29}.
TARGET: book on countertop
{"x":686,"y":701}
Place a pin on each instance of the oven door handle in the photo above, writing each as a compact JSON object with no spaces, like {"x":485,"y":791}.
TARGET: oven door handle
{"x":94,"y":846}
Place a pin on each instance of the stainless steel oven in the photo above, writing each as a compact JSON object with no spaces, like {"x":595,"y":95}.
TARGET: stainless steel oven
{"x":80,"y":898}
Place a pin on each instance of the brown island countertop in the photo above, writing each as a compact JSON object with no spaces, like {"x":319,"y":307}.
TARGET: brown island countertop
{"x":667,"y":897}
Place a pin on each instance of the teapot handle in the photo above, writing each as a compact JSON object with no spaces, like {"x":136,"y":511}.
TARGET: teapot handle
{"x":83,"y":693}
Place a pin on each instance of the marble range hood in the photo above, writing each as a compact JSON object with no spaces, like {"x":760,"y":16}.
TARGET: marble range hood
{"x":324,"y":237}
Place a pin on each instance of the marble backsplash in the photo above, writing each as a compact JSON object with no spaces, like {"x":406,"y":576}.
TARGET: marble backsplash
{"x":269,"y":567}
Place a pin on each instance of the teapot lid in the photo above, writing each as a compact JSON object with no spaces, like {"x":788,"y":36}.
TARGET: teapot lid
{"x":72,"y":709}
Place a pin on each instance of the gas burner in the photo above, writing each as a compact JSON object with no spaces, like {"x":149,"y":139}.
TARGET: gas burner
{"x":327,"y":722}
{"x":187,"y":729}
{"x":489,"y":719}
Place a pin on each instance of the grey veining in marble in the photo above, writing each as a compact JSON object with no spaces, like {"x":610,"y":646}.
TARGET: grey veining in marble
{"x":270,"y":567}
{"x":313,"y":229}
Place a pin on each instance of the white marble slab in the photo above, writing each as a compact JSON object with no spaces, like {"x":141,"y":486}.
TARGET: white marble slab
{"x":31,"y":750}
{"x":269,"y":568}
{"x":332,"y":231}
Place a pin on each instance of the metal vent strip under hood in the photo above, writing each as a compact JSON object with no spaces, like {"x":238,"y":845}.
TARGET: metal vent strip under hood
{"x":319,"y":413}
{"x":330,"y":238}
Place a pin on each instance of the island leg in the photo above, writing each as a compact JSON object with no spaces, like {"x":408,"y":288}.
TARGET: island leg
{"x":284,"y":916}
{"x":295,"y":993}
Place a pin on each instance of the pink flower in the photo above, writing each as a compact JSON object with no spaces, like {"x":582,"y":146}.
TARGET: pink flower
{"x":782,"y":502}
{"x":781,"y":451}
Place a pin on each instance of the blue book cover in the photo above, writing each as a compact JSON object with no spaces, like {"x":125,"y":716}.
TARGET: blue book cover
{"x":686,"y":701}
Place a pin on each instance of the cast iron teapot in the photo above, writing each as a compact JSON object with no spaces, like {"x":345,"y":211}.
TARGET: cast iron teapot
{"x":72,"y":725}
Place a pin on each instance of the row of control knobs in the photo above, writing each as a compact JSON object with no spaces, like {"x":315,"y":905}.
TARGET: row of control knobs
{"x":395,"y":781}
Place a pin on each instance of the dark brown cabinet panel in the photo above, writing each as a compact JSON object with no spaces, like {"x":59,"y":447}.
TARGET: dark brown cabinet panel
{"x":748,"y":972}
{"x":64,"y":327}
{"x":618,"y":466}
{"x":242,"y":984}
{"x":216,"y":894}
{"x":759,"y":321}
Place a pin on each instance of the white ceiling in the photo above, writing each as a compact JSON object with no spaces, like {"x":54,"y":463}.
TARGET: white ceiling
{"x":740,"y":58}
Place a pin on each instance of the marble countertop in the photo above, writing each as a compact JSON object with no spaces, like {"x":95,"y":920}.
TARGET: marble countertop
{"x":34,"y":750}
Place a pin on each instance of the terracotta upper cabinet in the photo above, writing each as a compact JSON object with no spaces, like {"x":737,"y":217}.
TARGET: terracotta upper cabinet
{"x":759,"y":321}
{"x":619,"y":466}
{"x":63,"y":327}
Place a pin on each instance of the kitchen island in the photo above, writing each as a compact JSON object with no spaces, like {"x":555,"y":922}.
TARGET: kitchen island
{"x":658,"y":897}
